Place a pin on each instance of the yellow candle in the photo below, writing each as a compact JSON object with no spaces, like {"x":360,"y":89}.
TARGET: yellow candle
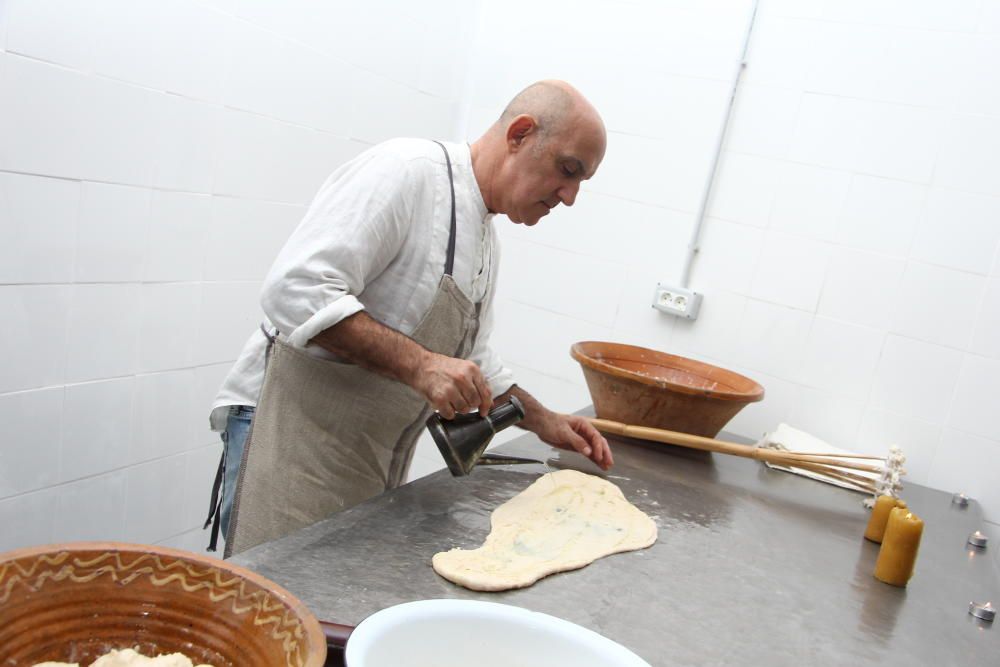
{"x":880,"y":515}
{"x":900,"y":544}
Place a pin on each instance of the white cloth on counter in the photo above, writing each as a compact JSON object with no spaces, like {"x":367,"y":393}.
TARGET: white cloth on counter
{"x":786,"y":438}
{"x":375,"y":238}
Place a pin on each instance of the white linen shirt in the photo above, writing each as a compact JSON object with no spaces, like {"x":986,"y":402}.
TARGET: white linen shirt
{"x":375,"y":238}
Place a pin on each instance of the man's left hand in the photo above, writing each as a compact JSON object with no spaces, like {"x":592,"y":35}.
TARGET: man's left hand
{"x":575,"y":433}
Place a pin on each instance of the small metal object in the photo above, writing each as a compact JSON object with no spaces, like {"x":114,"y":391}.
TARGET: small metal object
{"x":960,"y":499}
{"x":978,"y":539}
{"x":983,"y":610}
{"x":463,"y":440}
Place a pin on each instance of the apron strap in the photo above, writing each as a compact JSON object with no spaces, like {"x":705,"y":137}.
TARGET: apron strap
{"x":215,"y":506}
{"x":449,"y":263}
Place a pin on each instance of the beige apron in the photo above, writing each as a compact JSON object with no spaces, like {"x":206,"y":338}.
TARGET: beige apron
{"x":330,"y":435}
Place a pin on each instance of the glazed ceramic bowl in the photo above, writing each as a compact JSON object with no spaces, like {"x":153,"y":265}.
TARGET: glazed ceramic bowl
{"x":433,"y":633}
{"x":74,"y":602}
{"x":643,"y":387}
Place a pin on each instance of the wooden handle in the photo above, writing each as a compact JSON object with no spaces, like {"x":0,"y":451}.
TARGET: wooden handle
{"x":675,"y":438}
{"x":336,"y":634}
{"x":774,"y":456}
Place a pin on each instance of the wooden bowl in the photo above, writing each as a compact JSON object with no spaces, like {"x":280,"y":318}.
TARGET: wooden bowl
{"x":635,"y":385}
{"x":74,"y":602}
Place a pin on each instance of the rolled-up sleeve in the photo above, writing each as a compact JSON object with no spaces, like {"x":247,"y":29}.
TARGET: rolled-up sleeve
{"x":353,"y":229}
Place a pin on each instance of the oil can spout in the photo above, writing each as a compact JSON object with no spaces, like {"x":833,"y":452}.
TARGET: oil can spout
{"x":462,"y":441}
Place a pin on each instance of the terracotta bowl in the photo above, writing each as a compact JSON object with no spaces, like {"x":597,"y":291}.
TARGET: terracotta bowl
{"x":74,"y":602}
{"x":643,"y":387}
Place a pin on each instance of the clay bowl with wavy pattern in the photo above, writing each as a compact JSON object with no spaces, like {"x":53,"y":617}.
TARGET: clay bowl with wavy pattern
{"x":642,"y":387}
{"x":74,"y":602}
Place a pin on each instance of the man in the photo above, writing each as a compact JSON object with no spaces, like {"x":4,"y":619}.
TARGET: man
{"x":379,"y":310}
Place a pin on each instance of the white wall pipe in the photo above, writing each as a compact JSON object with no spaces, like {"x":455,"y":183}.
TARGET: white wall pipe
{"x":693,"y":243}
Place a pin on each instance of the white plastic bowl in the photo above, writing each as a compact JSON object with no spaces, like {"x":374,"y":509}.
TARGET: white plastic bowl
{"x":460,"y":633}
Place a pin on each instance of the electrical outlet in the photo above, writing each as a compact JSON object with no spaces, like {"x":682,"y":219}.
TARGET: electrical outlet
{"x":677,"y":301}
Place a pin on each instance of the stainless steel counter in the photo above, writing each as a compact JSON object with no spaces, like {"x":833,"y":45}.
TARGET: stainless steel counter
{"x":752,"y":566}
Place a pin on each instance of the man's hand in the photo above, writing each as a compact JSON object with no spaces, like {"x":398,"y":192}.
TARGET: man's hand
{"x":449,"y":385}
{"x":570,"y":432}
{"x":452,"y":386}
{"x":575,"y":433}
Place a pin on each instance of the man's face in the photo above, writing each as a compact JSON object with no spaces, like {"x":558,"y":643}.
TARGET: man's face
{"x":546,"y":172}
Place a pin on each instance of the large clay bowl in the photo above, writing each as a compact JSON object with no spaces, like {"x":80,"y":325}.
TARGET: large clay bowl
{"x":74,"y":602}
{"x":635,"y":385}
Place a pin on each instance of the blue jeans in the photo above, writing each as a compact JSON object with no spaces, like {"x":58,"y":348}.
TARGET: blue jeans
{"x":233,"y":440}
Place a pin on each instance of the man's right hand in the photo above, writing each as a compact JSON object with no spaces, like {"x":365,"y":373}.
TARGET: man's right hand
{"x":452,"y":386}
{"x":449,"y":385}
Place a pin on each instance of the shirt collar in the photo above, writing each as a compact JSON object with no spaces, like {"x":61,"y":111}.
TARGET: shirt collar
{"x":463,"y":156}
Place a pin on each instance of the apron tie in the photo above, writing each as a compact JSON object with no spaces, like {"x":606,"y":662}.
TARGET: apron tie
{"x":215,"y":506}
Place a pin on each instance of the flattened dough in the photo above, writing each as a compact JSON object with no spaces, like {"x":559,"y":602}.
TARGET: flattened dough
{"x":130,"y":658}
{"x":564,"y":521}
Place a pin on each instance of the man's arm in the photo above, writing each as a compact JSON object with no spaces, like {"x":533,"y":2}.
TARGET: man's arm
{"x":449,"y":385}
{"x":570,"y":432}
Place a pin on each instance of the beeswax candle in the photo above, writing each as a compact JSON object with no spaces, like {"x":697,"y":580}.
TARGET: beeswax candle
{"x":900,"y":544}
{"x":880,"y":515}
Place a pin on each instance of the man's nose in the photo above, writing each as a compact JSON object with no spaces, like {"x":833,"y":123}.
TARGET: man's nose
{"x":567,"y":193}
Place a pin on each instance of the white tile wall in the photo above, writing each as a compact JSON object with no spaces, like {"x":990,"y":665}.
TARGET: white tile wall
{"x":916,"y":379}
{"x":881,"y":215}
{"x":864,"y":61}
{"x":92,"y":509}
{"x":790,"y":271}
{"x":978,"y":378}
{"x":29,"y":519}
{"x":168,"y":320}
{"x":744,"y":189}
{"x":920,"y":439}
{"x":178,"y":223}
{"x":840,"y":358}
{"x":102,"y":332}
{"x":850,"y":256}
{"x":968,"y":463}
{"x":875,"y":138}
{"x":38,"y":359}
{"x":112,"y":235}
{"x":861,"y":287}
{"x":831,"y":416}
{"x":729,"y":255}
{"x":244,"y":236}
{"x":808,"y":201}
{"x":959,"y":230}
{"x":922,"y":288}
{"x":98,"y":418}
{"x":154,"y":500}
{"x":961,"y":15}
{"x":254,"y":154}
{"x":185,"y":165}
{"x":228,"y":313}
{"x":153,"y":158}
{"x":163,"y":415}
{"x":772,"y":338}
{"x":986,"y":336}
{"x":30,"y":429}
{"x":586,"y":289}
{"x":38,"y":223}
{"x":57,"y":31}
{"x":763,"y":123}
{"x":968,"y":147}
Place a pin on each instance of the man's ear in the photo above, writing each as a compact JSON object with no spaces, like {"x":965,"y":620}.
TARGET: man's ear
{"x":519,"y":130}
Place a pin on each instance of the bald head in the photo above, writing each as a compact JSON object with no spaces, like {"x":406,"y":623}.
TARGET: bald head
{"x":553,"y":105}
{"x":546,"y":142}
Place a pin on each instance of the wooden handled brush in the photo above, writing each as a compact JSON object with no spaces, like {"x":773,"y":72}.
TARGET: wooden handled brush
{"x":844,"y":469}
